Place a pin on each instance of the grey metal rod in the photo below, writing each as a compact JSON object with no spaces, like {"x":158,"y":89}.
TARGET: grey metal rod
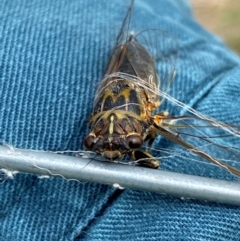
{"x":84,"y":169}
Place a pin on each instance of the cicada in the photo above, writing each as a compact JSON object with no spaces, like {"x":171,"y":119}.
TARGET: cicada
{"x":123,"y":116}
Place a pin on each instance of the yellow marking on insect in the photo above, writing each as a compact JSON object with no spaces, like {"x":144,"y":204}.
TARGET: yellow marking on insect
{"x":125,"y":93}
{"x":111,"y":125}
{"x":119,"y":113}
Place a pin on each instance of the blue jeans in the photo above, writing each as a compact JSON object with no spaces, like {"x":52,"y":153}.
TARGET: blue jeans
{"x":53,"y":54}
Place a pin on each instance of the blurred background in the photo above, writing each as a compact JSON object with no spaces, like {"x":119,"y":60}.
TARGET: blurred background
{"x":221,"y":17}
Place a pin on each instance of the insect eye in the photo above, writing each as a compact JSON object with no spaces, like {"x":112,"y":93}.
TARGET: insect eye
{"x":134,"y":141}
{"x":89,"y":142}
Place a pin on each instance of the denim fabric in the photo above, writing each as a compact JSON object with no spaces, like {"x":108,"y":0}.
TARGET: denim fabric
{"x":52,"y":55}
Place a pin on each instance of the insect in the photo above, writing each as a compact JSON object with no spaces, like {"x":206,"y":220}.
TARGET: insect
{"x":122,"y":118}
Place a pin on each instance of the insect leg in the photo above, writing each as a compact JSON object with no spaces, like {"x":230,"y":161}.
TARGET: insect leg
{"x":144,"y":159}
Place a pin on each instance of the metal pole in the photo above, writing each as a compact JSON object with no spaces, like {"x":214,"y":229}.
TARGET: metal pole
{"x":118,"y":175}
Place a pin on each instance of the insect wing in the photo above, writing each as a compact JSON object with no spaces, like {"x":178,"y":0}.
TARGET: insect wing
{"x":120,"y":41}
{"x":163,"y":48}
{"x":215,"y":142}
{"x":160,"y":45}
{"x":117,"y":54}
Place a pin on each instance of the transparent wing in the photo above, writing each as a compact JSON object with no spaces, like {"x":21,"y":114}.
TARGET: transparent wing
{"x":216,"y":143}
{"x":213,"y":141}
{"x":161,"y":45}
{"x":120,"y":41}
{"x":164,"y":48}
